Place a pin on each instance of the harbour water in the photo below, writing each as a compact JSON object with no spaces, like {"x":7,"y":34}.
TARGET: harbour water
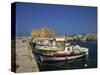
{"x":88,"y":61}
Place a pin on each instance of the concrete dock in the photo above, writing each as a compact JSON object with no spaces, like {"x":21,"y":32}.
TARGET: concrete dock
{"x":25,"y":60}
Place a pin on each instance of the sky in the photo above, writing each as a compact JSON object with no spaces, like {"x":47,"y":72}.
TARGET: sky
{"x":63,"y":19}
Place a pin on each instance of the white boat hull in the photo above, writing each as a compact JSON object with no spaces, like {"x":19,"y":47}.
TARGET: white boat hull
{"x":47,"y":58}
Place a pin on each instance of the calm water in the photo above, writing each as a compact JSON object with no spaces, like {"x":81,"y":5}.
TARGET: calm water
{"x":89,"y":61}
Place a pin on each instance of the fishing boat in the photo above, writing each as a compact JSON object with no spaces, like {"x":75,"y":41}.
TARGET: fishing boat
{"x":49,"y":53}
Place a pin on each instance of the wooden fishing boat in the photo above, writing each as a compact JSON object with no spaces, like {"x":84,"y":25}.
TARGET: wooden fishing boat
{"x":55,"y":54}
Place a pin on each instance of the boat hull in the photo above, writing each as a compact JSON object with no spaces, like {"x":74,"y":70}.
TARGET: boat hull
{"x":53,"y":58}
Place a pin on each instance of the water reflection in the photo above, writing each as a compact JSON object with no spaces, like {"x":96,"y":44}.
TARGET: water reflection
{"x":63,"y":65}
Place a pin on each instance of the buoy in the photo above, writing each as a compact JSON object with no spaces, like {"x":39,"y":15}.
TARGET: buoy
{"x":85,"y":65}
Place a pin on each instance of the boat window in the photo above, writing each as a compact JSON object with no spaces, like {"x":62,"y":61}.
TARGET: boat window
{"x":68,"y":49}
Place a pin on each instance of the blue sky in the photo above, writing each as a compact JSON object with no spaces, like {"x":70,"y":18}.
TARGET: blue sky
{"x":63,"y":19}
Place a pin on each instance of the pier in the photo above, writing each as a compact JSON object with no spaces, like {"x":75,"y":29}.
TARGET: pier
{"x":25,"y":61}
